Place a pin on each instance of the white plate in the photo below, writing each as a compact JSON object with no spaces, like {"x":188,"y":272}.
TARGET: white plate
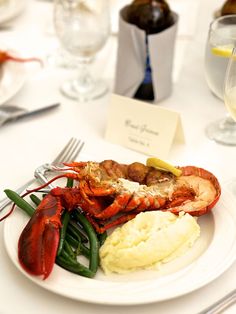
{"x":212,"y":254}
{"x":12,"y":79}
{"x":9,"y":9}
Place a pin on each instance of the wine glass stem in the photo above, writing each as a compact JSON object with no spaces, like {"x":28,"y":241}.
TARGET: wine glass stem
{"x":229,"y":123}
{"x":84,"y":81}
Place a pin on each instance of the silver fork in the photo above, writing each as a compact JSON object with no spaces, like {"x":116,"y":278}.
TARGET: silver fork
{"x":67,"y":154}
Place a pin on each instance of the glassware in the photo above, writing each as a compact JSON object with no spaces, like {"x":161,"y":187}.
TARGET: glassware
{"x":229,"y":7}
{"x":82,"y":27}
{"x":221,"y":39}
{"x":230,"y":97}
{"x":230,"y":85}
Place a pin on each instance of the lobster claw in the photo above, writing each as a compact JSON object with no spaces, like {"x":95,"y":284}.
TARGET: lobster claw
{"x":38,"y":243}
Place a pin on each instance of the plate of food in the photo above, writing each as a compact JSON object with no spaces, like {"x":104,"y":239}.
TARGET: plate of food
{"x":12,"y":72}
{"x":147,"y":233}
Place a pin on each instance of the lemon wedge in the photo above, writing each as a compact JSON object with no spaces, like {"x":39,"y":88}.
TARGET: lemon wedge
{"x":222,"y":51}
{"x":163,"y":165}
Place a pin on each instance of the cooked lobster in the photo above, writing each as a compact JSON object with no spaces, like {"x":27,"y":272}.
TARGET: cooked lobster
{"x":6,"y":56}
{"x":110,"y":193}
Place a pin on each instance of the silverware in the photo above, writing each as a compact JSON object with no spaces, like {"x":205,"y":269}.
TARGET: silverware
{"x":67,"y":154}
{"x":10,"y":112}
{"x":219,"y":306}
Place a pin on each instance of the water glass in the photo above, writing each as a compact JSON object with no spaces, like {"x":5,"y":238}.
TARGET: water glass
{"x":82,"y":27}
{"x":221,"y":40}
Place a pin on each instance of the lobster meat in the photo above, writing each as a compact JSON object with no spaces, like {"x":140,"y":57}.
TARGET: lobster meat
{"x":110,"y":193}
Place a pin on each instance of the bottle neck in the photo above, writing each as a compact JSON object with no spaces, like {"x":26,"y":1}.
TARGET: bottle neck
{"x":152,"y":16}
{"x":151,"y":2}
{"x":229,"y":7}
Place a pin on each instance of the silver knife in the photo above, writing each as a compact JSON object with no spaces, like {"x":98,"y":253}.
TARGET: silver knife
{"x":9,"y":112}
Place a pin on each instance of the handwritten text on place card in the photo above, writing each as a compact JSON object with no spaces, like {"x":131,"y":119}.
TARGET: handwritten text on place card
{"x":143,"y":127}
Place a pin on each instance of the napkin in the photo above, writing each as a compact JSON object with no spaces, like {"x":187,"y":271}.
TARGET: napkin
{"x":131,"y":58}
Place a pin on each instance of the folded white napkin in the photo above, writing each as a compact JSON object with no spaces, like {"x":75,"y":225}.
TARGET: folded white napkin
{"x":131,"y":59}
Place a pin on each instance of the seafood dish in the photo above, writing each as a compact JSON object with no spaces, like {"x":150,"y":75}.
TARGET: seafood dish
{"x":109,"y":194}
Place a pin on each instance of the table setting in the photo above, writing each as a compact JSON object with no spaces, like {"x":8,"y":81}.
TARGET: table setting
{"x":62,"y":118}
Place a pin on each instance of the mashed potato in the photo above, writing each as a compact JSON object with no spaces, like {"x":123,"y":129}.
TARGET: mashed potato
{"x":148,"y":240}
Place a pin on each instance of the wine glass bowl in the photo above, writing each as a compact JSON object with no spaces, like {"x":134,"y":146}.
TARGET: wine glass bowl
{"x":230,"y":86}
{"x":219,"y":46}
{"x":220,"y":42}
{"x":82,"y":27}
{"x":230,"y":101}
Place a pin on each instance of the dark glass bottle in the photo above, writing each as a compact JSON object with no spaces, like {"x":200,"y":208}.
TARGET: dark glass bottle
{"x":152,"y":16}
{"x":229,"y":7}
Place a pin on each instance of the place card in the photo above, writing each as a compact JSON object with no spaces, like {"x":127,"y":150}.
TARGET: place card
{"x":143,"y":127}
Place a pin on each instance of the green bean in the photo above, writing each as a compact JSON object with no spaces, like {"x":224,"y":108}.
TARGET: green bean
{"x":84,"y":250}
{"x":66,"y":257}
{"x":70,"y":183}
{"x":76,"y":229}
{"x":72,"y":241}
{"x":102,"y":237}
{"x":65,"y":221}
{"x":93,"y":242}
{"x":35,"y":199}
{"x":76,"y":244}
{"x":20,"y":202}
{"x":69,"y":250}
{"x":70,"y":260}
{"x":74,"y":233}
{"x":73,"y":266}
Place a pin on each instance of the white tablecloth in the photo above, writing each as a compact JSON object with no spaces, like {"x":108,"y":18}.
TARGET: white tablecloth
{"x":31,"y":142}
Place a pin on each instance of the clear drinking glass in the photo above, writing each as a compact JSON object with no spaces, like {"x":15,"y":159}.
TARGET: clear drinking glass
{"x":221,"y":40}
{"x":230,"y":86}
{"x":230,"y":96}
{"x":82,"y":27}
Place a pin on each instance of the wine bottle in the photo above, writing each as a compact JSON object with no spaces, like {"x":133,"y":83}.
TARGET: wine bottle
{"x":229,"y":7}
{"x":152,"y":16}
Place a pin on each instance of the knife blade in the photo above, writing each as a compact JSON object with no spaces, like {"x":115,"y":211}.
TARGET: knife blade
{"x":22,"y":113}
{"x":25,"y":113}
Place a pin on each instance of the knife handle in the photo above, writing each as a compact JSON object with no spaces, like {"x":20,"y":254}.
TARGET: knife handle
{"x":221,"y":305}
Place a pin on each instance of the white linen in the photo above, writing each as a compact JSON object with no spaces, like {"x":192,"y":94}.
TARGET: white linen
{"x":27,"y":144}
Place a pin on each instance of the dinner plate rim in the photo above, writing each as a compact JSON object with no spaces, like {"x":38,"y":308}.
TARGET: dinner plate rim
{"x":11,"y":10}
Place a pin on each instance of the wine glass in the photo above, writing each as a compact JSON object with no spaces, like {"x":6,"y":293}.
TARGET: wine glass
{"x":221,"y":39}
{"x":82,"y":27}
{"x":230,"y":96}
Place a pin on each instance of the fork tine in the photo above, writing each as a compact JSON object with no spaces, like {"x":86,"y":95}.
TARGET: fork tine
{"x":76,"y":151}
{"x":63,"y":152}
{"x":71,"y":151}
